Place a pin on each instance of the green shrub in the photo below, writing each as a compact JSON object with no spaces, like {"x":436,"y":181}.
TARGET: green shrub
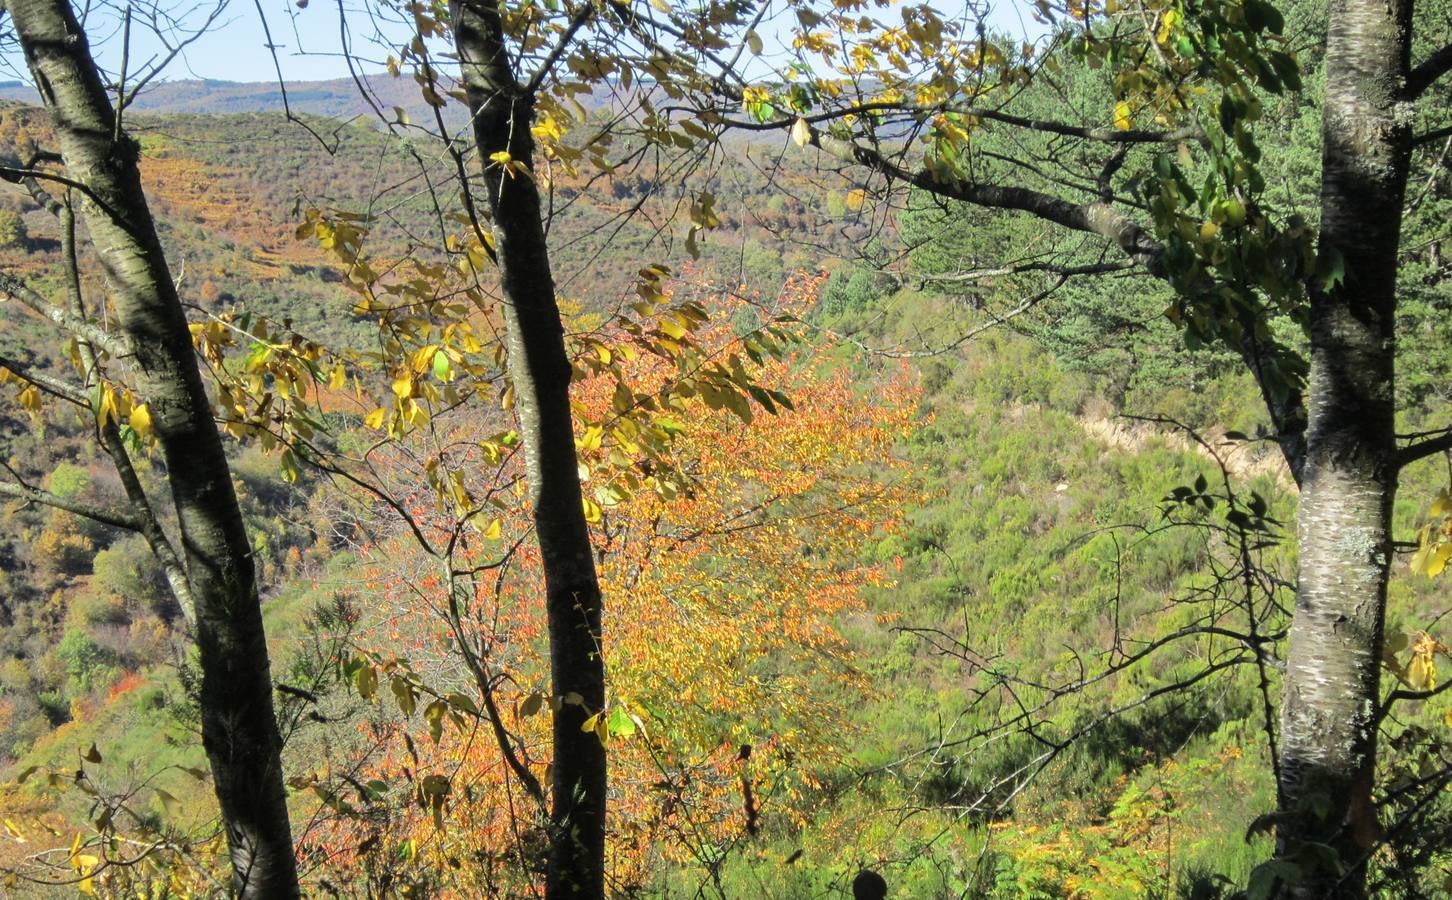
{"x":87,"y":663}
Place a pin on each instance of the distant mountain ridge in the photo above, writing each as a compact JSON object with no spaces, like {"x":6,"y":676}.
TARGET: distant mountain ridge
{"x":336,"y":97}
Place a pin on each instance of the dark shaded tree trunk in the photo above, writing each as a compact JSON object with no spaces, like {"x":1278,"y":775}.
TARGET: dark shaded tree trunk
{"x":540,"y":370}
{"x":1329,"y":720}
{"x":239,"y":730}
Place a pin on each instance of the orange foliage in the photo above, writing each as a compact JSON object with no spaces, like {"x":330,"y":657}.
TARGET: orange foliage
{"x":127,"y":683}
{"x":723,"y":604}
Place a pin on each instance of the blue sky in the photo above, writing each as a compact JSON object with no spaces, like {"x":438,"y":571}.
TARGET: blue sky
{"x":309,"y":42}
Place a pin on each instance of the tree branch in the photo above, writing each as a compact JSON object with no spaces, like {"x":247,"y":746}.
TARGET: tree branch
{"x":1104,"y":135}
{"x":1423,"y":449}
{"x":13,"y":287}
{"x":110,"y":435}
{"x":1093,"y":218}
{"x":577,"y":21}
{"x":1424,"y":75}
{"x":1430,"y":136}
{"x":113,"y":517}
{"x":1049,"y":268}
{"x":56,"y":387}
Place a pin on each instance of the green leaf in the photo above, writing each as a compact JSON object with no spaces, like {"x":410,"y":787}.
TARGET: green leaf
{"x":1265,"y":878}
{"x":434,"y":714}
{"x":1331,"y":266}
{"x":403,"y":692}
{"x":621,"y":724}
{"x":463,"y":704}
{"x":169,"y":804}
{"x":367,"y":682}
{"x":1263,"y":16}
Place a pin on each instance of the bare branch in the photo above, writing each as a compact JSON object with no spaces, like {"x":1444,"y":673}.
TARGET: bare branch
{"x":1423,"y":449}
{"x":1424,"y":75}
{"x":1104,"y":135}
{"x":1094,"y":218}
{"x":577,"y":21}
{"x":56,"y":387}
{"x":13,"y":287}
{"x":114,"y":517}
{"x":1049,"y":268}
{"x":1432,"y":136}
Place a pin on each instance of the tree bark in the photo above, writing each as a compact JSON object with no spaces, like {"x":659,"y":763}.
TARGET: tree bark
{"x":1349,"y":480}
{"x":239,"y":730}
{"x":540,"y":370}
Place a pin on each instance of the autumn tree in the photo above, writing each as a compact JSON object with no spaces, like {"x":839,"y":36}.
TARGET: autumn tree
{"x":520,"y":69}
{"x":731,"y":584}
{"x":140,"y":382}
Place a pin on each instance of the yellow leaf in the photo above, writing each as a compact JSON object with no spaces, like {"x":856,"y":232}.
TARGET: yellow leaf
{"x":494,"y":529}
{"x":376,"y":419}
{"x":502,"y":157}
{"x":661,"y":5}
{"x":592,"y":510}
{"x":1421,"y":674}
{"x":339,"y":379}
{"x":801,"y":133}
{"x":107,"y":414}
{"x":1167,"y":27}
{"x":592,"y":438}
{"x":547,"y":129}
{"x":141,"y":422}
{"x":423,"y":357}
{"x":855,"y":199}
{"x":1208,"y":230}
{"x":403,"y":386}
{"x":30,"y":398}
{"x":1121,"y":116}
{"x":1438,"y":560}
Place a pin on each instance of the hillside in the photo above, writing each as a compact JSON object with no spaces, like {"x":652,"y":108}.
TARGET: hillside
{"x":337,"y":98}
{"x":945,"y":510}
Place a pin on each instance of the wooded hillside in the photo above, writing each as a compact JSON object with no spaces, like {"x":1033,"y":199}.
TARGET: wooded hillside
{"x":756,"y":450}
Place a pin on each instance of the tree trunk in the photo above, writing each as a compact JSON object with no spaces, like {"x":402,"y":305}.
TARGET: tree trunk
{"x":540,"y":369}
{"x":1349,"y":480}
{"x":239,"y":730}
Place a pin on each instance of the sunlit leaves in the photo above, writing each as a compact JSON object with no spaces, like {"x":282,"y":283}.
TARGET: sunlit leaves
{"x":1434,"y":539}
{"x":1122,"y":118}
{"x":721,"y":543}
{"x":1419,"y":671}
